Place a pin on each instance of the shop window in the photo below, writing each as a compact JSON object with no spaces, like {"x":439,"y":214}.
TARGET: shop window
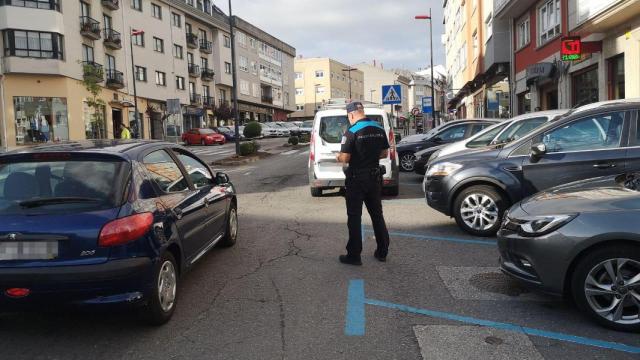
{"x":616,"y":77}
{"x":135,"y":125}
{"x":585,"y":87}
{"x":94,"y":122}
{"x":40,"y":119}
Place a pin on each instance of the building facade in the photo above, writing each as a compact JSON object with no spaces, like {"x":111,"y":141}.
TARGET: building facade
{"x":375,"y":76}
{"x":56,"y":51}
{"x":320,"y":79}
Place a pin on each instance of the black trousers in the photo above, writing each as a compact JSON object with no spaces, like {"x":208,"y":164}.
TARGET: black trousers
{"x":365,"y":190}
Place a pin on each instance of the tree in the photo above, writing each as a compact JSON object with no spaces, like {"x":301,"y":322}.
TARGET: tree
{"x":92,"y":77}
{"x":223,"y":111}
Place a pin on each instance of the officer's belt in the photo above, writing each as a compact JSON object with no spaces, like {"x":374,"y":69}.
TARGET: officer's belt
{"x":362,"y":173}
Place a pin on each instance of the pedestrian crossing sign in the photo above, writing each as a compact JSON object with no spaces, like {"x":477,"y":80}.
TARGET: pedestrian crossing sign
{"x":391,"y":94}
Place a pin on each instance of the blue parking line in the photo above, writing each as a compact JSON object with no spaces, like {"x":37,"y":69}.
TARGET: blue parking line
{"x":439,"y":238}
{"x":355,"y":325}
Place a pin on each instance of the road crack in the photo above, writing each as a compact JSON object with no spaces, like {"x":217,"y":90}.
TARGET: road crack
{"x":283,"y":341}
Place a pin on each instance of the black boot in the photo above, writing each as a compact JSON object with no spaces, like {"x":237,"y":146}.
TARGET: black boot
{"x":350,"y":260}
{"x":380,"y":258}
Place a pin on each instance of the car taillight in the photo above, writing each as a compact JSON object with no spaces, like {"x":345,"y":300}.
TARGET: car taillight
{"x":122,"y":231}
{"x":17,"y":292}
{"x":312,"y":153}
{"x":392,"y":145}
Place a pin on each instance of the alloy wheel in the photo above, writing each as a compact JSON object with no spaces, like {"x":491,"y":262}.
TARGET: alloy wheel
{"x":233,"y":224}
{"x":407,"y":162}
{"x":612,"y":289}
{"x":167,"y":286}
{"x":479,"y":211}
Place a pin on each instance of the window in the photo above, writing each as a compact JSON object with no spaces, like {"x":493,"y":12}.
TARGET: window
{"x":549,"y":19}
{"x":299,"y":107}
{"x":164,"y":172}
{"x":519,"y":129}
{"x":110,"y":63}
{"x":476,"y":45}
{"x":177,"y":51}
{"x":616,"y":77}
{"x":252,"y":43}
{"x":585,"y":86}
{"x":332,"y":128}
{"x":256,"y":90}
{"x":206,"y":92}
{"x":488,"y":25}
{"x":141,"y":73}
{"x":299,"y":75}
{"x":156,"y":11}
{"x":319,"y":73}
{"x":320,"y":90}
{"x":179,"y":82}
{"x":190,"y":58}
{"x":161,"y":78}
{"x":463,"y":56}
{"x":299,"y":91}
{"x":37,"y":4}
{"x":192,"y":88}
{"x":242,"y":39}
{"x":591,"y":133}
{"x":203,"y":34}
{"x":158,"y":44}
{"x":223,"y":95}
{"x":204,"y":62}
{"x":136,"y":5}
{"x":254,"y":68}
{"x":198,"y":173}
{"x":107,"y":21}
{"x":40,"y":119}
{"x":523,"y":31}
{"x":33,"y":44}
{"x":87,"y":53}
{"x":244,"y":87}
{"x":453,"y":133}
{"x":176,"y":20}
{"x":244,"y":64}
{"x":85,"y":9}
{"x":486,"y":138}
{"x":138,"y":39}
{"x":227,"y":68}
{"x":227,"y":41}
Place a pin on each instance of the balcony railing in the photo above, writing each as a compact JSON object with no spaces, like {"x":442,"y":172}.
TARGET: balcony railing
{"x":115,"y":79}
{"x":194,"y":70}
{"x":111,"y":4}
{"x":192,"y":40}
{"x":92,"y":71}
{"x":208,"y":101}
{"x":112,"y":39}
{"x":195,"y":99}
{"x":267,"y":99}
{"x":89,"y":27}
{"x":207,"y":74}
{"x":206,"y":46}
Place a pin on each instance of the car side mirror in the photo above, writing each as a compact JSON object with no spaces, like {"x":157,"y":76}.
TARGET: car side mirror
{"x":222,"y":178}
{"x":538,"y":150}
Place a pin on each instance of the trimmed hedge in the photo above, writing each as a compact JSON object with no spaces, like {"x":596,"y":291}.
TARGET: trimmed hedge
{"x":249,"y":148}
{"x":305,"y":138}
{"x":252,"y":130}
{"x":293,"y":140}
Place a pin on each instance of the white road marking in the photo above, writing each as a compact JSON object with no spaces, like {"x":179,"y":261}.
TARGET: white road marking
{"x":247,"y":173}
{"x":290,"y":152}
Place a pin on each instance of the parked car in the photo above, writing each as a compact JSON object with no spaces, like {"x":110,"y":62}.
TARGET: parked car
{"x":286,"y":132}
{"x":498,"y":134}
{"x":306,"y":127}
{"x":271,"y":130}
{"x":108,"y":223}
{"x":203,"y":137}
{"x":478,"y":186}
{"x":228,"y":133}
{"x":580,"y":240}
{"x":445,"y":134}
{"x":294,"y":130}
{"x":329,"y":126}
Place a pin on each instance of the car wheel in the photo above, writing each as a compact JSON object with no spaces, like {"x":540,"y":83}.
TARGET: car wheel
{"x":164,"y":295}
{"x":606,"y":285}
{"x":407,"y":161}
{"x":392,"y":191}
{"x":478,"y":210}
{"x":231,"y":232}
{"x":316,"y":192}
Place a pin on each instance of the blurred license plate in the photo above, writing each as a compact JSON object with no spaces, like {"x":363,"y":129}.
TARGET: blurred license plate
{"x":28,"y":250}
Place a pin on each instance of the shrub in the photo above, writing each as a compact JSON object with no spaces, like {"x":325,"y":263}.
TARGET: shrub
{"x":305,"y":138}
{"x":293,"y":140}
{"x":249,"y":148}
{"x":253,"y":130}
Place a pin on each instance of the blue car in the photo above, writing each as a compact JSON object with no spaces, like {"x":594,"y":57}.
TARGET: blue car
{"x":108,"y":223}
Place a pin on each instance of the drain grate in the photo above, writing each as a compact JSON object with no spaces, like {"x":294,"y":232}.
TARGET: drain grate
{"x":497,"y":283}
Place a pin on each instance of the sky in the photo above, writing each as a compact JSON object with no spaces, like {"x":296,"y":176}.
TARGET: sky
{"x":350,"y":31}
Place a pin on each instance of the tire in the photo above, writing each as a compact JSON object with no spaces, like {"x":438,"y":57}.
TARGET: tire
{"x":231,"y":228}
{"x":593,"y":264}
{"x":476,"y":198}
{"x":158,"y":312}
{"x":316,"y":192}
{"x":392,"y":191}
{"x":407,"y":161}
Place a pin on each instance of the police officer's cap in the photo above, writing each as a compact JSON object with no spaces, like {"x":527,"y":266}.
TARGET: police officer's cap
{"x":354,"y":106}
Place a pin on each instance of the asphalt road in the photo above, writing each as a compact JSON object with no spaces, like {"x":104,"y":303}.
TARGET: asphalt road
{"x":281,"y":293}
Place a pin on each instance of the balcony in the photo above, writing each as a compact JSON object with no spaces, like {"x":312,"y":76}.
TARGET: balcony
{"x":206,"y":46}
{"x":267,"y":99}
{"x":111,"y":4}
{"x":90,"y":27}
{"x":192,"y":41}
{"x":92,"y":71}
{"x":194,"y":70}
{"x":195,"y":99}
{"x":208,"y":101}
{"x":112,"y":39}
{"x":115,"y":79}
{"x":207,"y":74}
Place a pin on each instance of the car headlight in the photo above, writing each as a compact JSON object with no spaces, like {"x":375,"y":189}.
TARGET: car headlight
{"x":543,"y":224}
{"x":443,"y":169}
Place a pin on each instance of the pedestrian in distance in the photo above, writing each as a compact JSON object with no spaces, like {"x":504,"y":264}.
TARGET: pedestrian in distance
{"x":125,"y":133}
{"x":363,"y":145}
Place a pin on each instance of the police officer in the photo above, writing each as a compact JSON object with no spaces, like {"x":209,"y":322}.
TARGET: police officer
{"x":363,"y":145}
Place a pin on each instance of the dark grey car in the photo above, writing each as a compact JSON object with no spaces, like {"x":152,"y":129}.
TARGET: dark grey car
{"x":581,"y":240}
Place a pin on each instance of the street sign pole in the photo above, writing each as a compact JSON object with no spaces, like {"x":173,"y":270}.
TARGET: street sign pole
{"x":235,"y":82}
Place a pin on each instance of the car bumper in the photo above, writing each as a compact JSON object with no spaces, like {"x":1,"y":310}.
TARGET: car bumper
{"x":126,"y":281}
{"x":420,"y":166}
{"x":435,"y":194}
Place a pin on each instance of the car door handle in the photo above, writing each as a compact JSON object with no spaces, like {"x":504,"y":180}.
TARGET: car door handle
{"x":604,"y":166}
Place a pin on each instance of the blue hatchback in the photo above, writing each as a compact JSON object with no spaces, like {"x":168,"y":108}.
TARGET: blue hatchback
{"x":108,"y":222}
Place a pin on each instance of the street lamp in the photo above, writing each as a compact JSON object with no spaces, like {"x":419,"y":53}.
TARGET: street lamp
{"x":235,"y":81}
{"x":315,"y":98}
{"x":371,"y":94}
{"x":349,"y":70}
{"x":433,"y":96}
{"x":133,"y":33}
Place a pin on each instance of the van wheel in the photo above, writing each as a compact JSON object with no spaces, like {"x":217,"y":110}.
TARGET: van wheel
{"x":316,"y":192}
{"x":231,"y":232}
{"x":407,"y":161}
{"x":164,"y":295}
{"x":478,"y":210}
{"x":606,"y":285}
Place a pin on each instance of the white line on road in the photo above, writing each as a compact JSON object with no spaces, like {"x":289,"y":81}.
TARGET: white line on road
{"x":290,"y":152}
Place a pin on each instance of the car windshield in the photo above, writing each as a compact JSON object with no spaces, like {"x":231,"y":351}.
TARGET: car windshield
{"x":60,"y":186}
{"x":333,"y":127}
{"x":519,"y":129}
{"x":224,"y":130}
{"x":206,"y":131}
{"x":485,"y":138}
{"x":307,"y":124}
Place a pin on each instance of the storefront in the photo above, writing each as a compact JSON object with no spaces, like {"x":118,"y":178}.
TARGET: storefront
{"x":40,"y":119}
{"x":585,"y":86}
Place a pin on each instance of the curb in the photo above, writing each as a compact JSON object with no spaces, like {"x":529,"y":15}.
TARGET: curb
{"x":231,"y":161}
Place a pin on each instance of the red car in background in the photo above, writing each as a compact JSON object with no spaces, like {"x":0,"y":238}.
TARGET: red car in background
{"x":203,"y":137}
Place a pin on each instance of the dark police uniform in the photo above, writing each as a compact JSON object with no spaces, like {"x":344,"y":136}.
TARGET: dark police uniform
{"x":365,"y":140}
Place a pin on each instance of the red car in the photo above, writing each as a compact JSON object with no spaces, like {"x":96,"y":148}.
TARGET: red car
{"x":203,"y":137}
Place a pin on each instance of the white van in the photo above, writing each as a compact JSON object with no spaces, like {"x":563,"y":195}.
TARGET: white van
{"x":329,"y":125}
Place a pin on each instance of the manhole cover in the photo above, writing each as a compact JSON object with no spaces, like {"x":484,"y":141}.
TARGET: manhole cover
{"x":492,"y":340}
{"x":497,"y":283}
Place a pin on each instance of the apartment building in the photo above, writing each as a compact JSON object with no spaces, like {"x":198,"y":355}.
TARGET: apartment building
{"x":320,"y":79}
{"x":179,"y":52}
{"x":375,"y":76}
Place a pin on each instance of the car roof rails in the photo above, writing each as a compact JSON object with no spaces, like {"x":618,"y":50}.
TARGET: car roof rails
{"x":341,"y":103}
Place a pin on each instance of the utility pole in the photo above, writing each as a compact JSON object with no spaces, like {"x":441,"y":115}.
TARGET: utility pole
{"x":349,"y":70}
{"x":433,"y":92}
{"x":133,"y":33}
{"x":235,"y":81}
